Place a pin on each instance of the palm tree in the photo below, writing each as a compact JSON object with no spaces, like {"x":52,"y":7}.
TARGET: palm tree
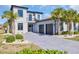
{"x":57,"y":15}
{"x":76,"y":20}
{"x":5,"y":25}
{"x":70,"y":16}
{"x":10,"y":17}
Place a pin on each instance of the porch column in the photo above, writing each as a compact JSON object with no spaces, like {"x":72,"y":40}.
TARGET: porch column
{"x":44,"y":28}
{"x":54,"y":28}
{"x":64,"y":26}
{"x":72,"y":27}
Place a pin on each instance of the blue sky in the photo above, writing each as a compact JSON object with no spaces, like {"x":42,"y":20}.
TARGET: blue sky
{"x":46,"y":9}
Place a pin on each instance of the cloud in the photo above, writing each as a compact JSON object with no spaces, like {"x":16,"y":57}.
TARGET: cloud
{"x":47,"y":15}
{"x":75,"y":7}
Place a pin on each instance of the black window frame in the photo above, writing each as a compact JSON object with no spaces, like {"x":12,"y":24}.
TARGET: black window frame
{"x":20,"y":26}
{"x":30,"y":17}
{"x":61,"y":26}
{"x":39,"y":17}
{"x":20,"y":13}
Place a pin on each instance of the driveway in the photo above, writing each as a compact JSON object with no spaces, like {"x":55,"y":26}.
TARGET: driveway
{"x":53,"y":42}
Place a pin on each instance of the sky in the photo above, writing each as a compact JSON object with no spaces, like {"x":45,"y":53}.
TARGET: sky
{"x":46,"y":9}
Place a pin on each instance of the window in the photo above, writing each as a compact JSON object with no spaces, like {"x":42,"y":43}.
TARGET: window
{"x":74,"y":27}
{"x":38,"y":17}
{"x":30,"y":17}
{"x":61,"y":24}
{"x":20,"y":13}
{"x":20,"y":26}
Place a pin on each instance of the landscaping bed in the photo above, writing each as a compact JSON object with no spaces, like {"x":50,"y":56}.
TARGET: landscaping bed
{"x":13,"y":48}
{"x":26,"y":49}
{"x":10,"y":44}
{"x":76,"y":38}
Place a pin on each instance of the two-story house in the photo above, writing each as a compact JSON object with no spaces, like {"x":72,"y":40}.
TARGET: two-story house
{"x":24,"y":23}
{"x":32,"y":21}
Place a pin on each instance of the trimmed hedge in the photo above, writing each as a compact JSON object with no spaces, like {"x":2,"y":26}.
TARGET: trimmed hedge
{"x":76,"y":32}
{"x":10,"y":39}
{"x":10,"y":31}
{"x":40,"y":51}
{"x":66,"y":32}
{"x":19,"y":36}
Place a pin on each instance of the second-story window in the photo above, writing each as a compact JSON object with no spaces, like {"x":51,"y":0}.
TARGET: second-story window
{"x":38,"y":17}
{"x":30,"y":17}
{"x":20,"y":13}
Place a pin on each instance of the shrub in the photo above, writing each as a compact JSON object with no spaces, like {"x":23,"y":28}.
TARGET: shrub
{"x":76,"y":32}
{"x":10,"y":31}
{"x":10,"y":39}
{"x":19,"y":36}
{"x":65,"y":32}
{"x":40,"y":51}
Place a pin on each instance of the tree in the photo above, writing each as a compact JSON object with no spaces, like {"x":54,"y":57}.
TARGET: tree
{"x":57,"y":15}
{"x":70,"y":16}
{"x":5,"y":25}
{"x":10,"y":17}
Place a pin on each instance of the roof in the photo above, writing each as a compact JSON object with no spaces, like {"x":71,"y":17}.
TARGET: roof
{"x":26,"y":8}
{"x":35,"y":12}
{"x":44,"y":20}
{"x":18,"y":7}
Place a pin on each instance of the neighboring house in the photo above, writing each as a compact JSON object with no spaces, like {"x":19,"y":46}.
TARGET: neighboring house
{"x":31,"y":21}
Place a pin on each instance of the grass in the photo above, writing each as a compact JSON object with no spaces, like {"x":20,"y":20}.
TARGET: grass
{"x":1,"y":39}
{"x":40,"y":51}
{"x":1,"y":31}
{"x":1,"y":36}
{"x":74,"y":38}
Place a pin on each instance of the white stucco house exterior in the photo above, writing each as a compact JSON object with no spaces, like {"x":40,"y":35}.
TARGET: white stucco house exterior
{"x":31,"y":21}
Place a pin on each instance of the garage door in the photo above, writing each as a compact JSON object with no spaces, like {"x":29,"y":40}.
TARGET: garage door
{"x":41,"y":29}
{"x":49,"y":29}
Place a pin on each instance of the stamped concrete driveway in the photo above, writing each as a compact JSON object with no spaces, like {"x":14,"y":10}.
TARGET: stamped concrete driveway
{"x":53,"y":42}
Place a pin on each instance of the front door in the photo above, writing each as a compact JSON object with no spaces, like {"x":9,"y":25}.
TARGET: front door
{"x":30,"y":28}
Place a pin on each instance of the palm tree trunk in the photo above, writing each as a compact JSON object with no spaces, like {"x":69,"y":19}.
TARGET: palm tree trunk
{"x":69,"y":27}
{"x":10,"y":28}
{"x":13,"y":28}
{"x":58,"y":26}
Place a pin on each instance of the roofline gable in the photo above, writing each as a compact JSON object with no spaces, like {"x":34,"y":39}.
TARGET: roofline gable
{"x":18,"y":7}
{"x":34,"y":12}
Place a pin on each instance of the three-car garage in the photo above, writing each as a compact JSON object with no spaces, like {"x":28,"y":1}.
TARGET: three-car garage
{"x":45,"y":27}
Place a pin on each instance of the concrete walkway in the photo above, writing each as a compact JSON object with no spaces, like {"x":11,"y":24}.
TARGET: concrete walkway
{"x":53,"y":42}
